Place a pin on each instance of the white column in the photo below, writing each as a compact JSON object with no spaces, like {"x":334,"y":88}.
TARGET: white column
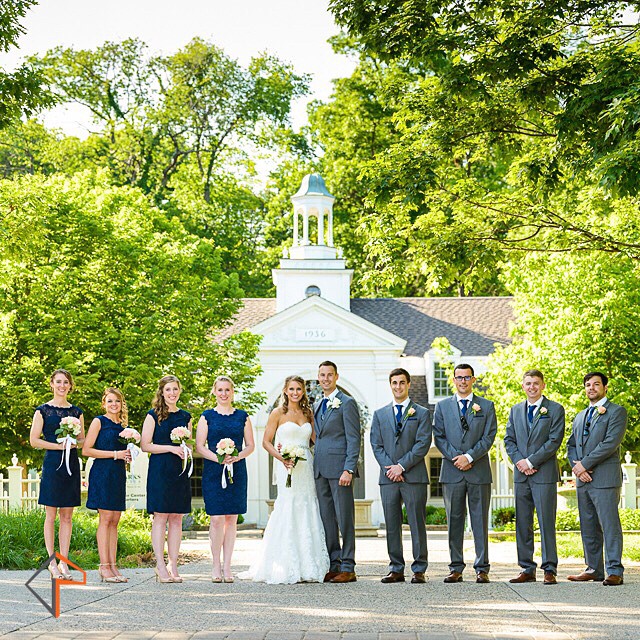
{"x":629,"y":484}
{"x":320,"y":227}
{"x":295,"y":227}
{"x":330,"y":228}
{"x":305,"y":228}
{"x":15,"y":484}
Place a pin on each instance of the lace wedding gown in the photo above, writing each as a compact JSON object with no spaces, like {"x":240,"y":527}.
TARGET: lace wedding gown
{"x":293,"y":546}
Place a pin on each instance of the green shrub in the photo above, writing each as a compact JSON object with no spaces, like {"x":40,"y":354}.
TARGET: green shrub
{"x":502,"y":517}
{"x":22,"y":539}
{"x":436,"y":515}
{"x":198,"y":520}
{"x":567,"y":520}
{"x":630,"y":519}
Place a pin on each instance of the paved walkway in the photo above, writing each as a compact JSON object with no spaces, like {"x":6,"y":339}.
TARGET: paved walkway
{"x":366,"y":610}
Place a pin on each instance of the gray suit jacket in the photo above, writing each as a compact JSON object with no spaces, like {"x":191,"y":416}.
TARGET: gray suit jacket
{"x":337,"y":438}
{"x":600,"y":451}
{"x":539,"y":444}
{"x":409,"y":449}
{"x":453,"y":441}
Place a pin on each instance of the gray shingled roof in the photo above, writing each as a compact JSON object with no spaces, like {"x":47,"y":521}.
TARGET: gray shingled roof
{"x":473,"y":325}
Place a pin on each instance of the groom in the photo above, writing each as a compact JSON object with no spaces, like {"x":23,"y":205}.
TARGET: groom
{"x":337,"y":425}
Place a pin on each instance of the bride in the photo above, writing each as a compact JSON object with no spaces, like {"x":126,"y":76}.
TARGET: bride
{"x":293,"y":546}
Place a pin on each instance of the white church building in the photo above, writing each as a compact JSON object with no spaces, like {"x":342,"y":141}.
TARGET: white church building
{"x":314,"y":318}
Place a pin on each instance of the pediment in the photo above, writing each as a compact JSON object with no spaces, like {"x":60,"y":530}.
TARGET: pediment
{"x":315,"y":323}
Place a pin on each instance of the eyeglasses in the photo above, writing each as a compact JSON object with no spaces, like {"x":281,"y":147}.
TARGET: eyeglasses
{"x":461,"y":378}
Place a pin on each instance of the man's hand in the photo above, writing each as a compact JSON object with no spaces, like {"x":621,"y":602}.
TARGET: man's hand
{"x":462,"y":462}
{"x":345,"y":479}
{"x":394,"y":472}
{"x":580,"y":472}
{"x":523,"y":467}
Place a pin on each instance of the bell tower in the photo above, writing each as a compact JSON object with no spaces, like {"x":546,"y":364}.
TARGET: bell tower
{"x":313,"y":265}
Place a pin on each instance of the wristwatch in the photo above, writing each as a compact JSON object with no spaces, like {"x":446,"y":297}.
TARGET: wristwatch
{"x":349,"y":471}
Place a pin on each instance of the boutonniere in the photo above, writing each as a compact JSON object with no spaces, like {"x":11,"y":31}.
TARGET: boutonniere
{"x":475,"y":408}
{"x":543,"y":411}
{"x":601,"y":409}
{"x":411,"y":411}
{"x":335,"y":403}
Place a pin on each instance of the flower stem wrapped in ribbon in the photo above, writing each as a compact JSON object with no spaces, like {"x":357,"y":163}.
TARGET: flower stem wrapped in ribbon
{"x":68,"y":431}
{"x":226,"y":447}
{"x":180,"y":435}
{"x":131,"y":437}
{"x":295,"y":453}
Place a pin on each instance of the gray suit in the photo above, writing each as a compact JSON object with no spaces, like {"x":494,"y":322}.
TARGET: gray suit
{"x":408,"y":449}
{"x":337,"y":449}
{"x":599,"y":452}
{"x":472,"y":486}
{"x":538,"y":442}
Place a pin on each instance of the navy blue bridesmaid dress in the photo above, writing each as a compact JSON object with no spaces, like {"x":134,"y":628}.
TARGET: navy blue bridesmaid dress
{"x":57,"y":487}
{"x":233,"y":499}
{"x":168,"y":489}
{"x":108,"y":477}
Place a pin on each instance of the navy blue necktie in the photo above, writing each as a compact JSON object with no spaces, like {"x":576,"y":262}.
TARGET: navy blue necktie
{"x":465,"y":402}
{"x":530,"y":411}
{"x":590,"y":415}
{"x":325,"y":402}
{"x":399,"y":413}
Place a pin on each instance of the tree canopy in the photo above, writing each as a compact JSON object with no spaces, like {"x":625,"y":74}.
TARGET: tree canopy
{"x":97,"y":280}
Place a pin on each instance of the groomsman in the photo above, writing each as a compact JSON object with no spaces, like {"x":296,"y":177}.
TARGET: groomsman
{"x":594,"y":453}
{"x":337,"y":425}
{"x":464,"y":429}
{"x":400,"y":439}
{"x":534,"y":434}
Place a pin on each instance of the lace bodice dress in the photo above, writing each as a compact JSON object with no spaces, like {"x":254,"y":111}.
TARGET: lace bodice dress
{"x":293,"y":547}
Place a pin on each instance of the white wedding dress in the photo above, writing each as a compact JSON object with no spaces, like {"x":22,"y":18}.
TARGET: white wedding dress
{"x":293,"y":546}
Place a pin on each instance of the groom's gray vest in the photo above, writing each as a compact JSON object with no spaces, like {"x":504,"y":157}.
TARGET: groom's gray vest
{"x":337,"y":438}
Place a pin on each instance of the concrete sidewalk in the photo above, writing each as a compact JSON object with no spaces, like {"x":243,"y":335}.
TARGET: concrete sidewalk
{"x":365,"y":610}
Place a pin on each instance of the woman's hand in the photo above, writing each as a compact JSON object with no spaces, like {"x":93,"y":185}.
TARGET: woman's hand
{"x":288,"y":463}
{"x":178,"y":451}
{"x":230,"y":459}
{"x":123,"y":454}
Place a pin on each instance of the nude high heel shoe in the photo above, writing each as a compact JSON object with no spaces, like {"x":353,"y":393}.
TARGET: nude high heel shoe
{"x":117,"y":573}
{"x":111,"y":579}
{"x":163,"y":580}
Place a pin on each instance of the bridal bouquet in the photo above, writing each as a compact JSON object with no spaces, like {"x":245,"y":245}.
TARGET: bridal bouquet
{"x":131,"y":437}
{"x":180,"y":435}
{"x":226,"y":447}
{"x":68,"y":431}
{"x":295,"y":453}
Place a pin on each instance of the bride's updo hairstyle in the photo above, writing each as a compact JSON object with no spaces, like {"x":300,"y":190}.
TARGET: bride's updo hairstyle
{"x":304,"y":401}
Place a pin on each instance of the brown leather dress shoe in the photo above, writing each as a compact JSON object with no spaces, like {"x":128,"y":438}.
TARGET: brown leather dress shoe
{"x":612,"y":581}
{"x":523,"y":576}
{"x":482,"y":577}
{"x":330,"y":575}
{"x":454,"y":576}
{"x":393,"y":576}
{"x":418,"y":578}
{"x":344,"y":576}
{"x":585,"y":576}
{"x":549,"y":578}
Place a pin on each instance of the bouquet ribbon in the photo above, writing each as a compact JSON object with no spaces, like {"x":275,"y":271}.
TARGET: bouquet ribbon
{"x":229,"y":470}
{"x":135,"y":452}
{"x":188,"y":456}
{"x":66,"y":453}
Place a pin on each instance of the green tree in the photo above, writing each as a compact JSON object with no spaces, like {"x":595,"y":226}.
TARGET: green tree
{"x":22,"y":92}
{"x":97,"y":280}
{"x":521,"y":115}
{"x":576,"y":314}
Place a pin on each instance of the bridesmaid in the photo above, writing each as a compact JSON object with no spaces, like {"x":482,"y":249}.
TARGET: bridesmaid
{"x":168,"y":489}
{"x":108,"y":478}
{"x":224,"y":505}
{"x":59,"y":491}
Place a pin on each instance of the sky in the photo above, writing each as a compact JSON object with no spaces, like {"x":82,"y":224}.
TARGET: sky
{"x":294,"y":30}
